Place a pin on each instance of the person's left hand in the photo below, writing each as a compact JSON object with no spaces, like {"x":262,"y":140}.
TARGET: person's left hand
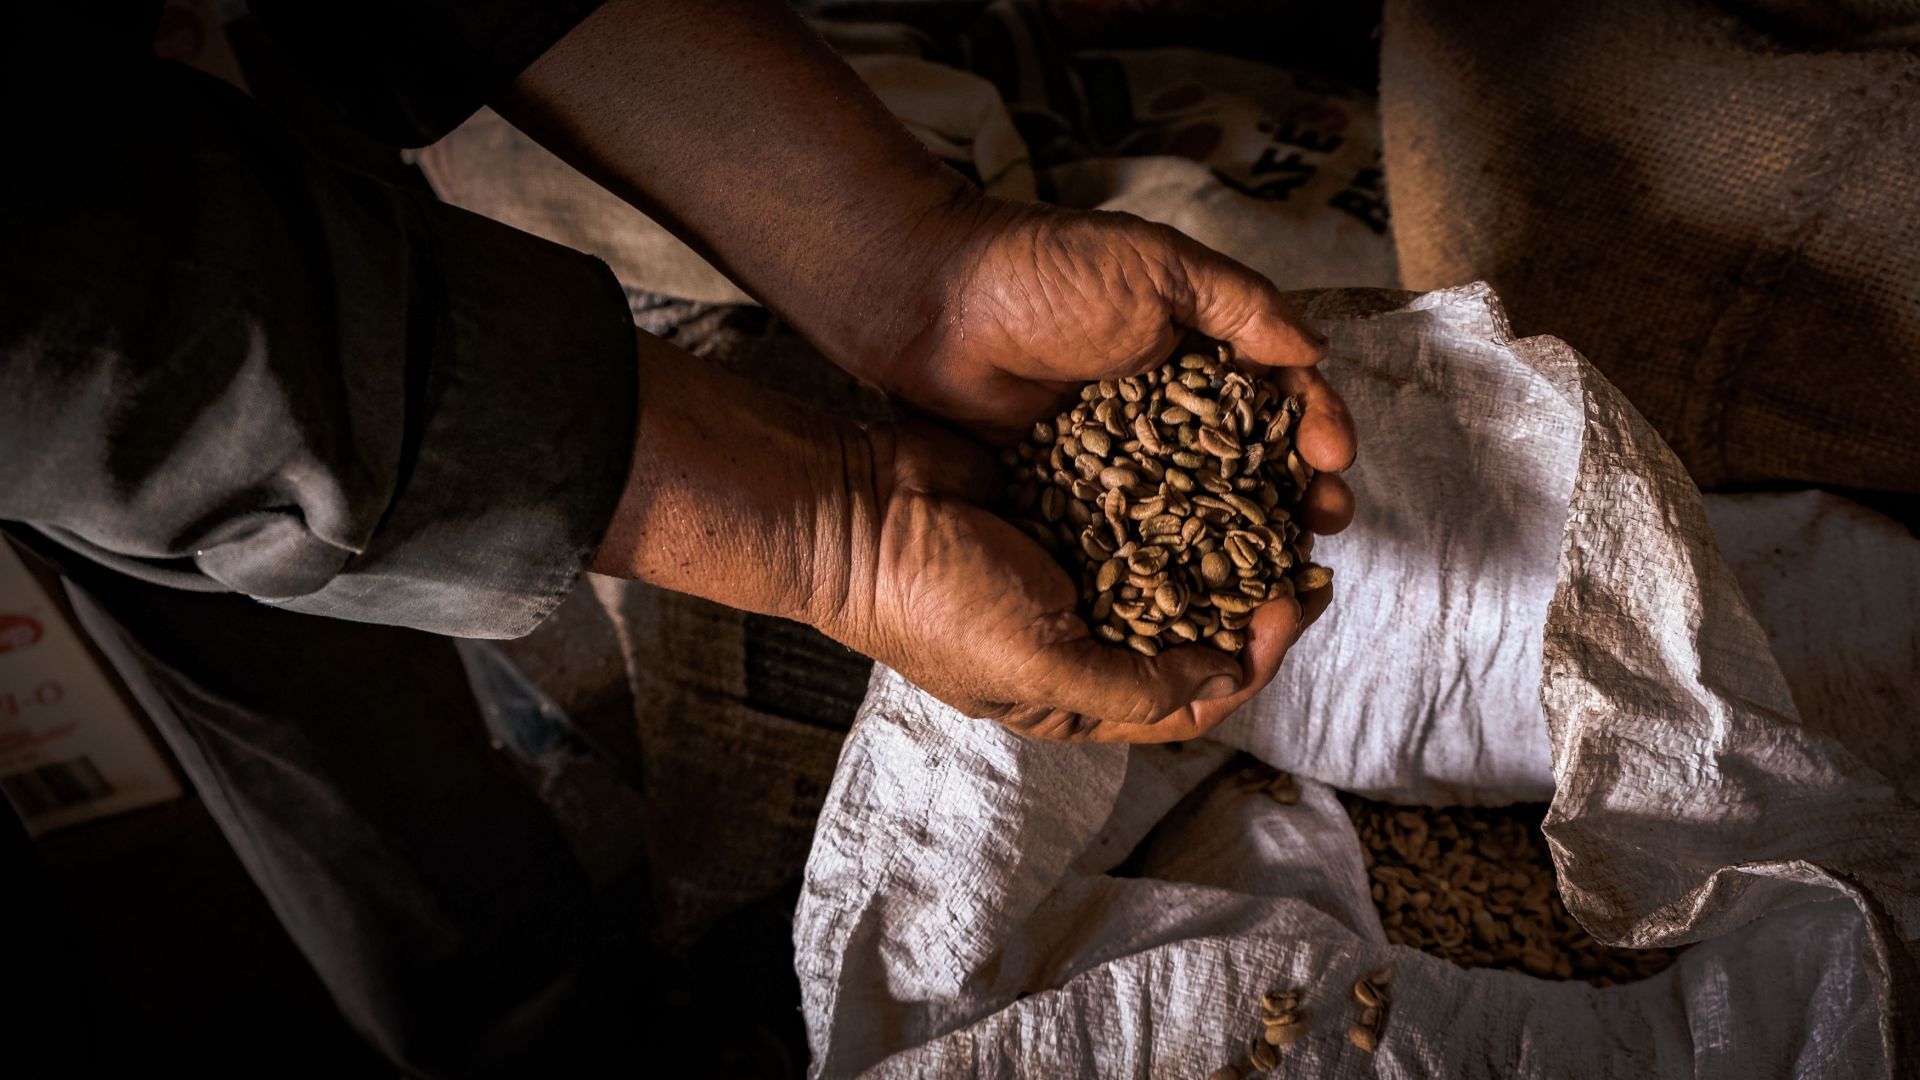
{"x":1035,"y":300}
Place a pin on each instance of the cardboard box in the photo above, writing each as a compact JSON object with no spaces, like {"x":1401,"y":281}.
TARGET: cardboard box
{"x":71,"y":749}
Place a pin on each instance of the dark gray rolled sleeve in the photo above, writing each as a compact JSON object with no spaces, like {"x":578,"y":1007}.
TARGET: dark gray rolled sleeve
{"x":231,"y":366}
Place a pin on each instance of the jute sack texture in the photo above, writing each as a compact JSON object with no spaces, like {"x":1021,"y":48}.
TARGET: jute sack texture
{"x":1717,"y":203}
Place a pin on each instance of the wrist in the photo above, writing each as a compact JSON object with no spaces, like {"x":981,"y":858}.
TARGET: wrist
{"x":900,"y":281}
{"x":839,"y":568}
{"x":741,"y":495}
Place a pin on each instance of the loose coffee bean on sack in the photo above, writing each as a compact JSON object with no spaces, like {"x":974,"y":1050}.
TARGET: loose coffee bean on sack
{"x":1170,"y":495}
{"x":1475,"y":885}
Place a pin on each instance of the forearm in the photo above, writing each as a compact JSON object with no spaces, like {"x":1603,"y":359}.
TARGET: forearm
{"x":737,"y":494}
{"x":732,"y":123}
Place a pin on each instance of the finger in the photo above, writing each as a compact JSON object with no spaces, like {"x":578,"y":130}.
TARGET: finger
{"x":1043,"y":722}
{"x":1178,"y":726}
{"x":1325,"y":437}
{"x":1274,"y":629}
{"x":1313,"y":605}
{"x":1228,"y":300}
{"x":1119,"y":686}
{"x":1328,"y":505}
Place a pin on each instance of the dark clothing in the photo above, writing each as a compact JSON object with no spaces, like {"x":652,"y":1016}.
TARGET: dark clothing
{"x":408,"y":73}
{"x":231,"y":366}
{"x":349,"y":769}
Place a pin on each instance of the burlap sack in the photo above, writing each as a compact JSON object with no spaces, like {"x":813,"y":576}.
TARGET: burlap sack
{"x":1728,"y":226}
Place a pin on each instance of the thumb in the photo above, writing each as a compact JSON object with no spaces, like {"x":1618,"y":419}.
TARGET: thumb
{"x":1119,"y":686}
{"x":1229,"y":301}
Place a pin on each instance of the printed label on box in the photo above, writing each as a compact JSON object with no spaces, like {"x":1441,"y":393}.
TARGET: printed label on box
{"x":70,"y":750}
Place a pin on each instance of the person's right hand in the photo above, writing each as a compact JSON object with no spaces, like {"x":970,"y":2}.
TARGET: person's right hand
{"x":978,"y":615}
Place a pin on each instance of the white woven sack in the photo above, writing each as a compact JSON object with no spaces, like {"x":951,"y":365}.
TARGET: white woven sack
{"x":981,"y":905}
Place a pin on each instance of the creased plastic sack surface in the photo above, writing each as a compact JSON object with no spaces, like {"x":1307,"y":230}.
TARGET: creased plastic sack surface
{"x":1531,"y":601}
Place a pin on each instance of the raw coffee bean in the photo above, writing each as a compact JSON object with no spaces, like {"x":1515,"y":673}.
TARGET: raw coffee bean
{"x":1191,"y":404}
{"x":1218,"y":443}
{"x":1312,"y":577}
{"x":1053,"y":504}
{"x":1216,"y":569}
{"x":1297,"y":471}
{"x":1148,"y":560}
{"x":1146,"y":583}
{"x":1242,"y":417}
{"x":1284,"y":791}
{"x":1231,"y":603}
{"x":1171,"y":598}
{"x":1147,"y":508}
{"x":1248,"y":509}
{"x":1148,"y":435}
{"x":1095,"y":547}
{"x":1161,"y":526}
{"x":1284,"y":1034}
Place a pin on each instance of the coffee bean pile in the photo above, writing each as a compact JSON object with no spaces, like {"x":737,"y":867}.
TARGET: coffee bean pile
{"x":1476,"y":886}
{"x":1170,"y":495}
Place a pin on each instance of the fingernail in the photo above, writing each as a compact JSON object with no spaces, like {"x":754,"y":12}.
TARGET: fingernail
{"x":1220,"y":686}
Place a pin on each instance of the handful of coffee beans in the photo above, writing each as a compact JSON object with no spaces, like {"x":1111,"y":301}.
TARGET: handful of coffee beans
{"x":1170,"y":495}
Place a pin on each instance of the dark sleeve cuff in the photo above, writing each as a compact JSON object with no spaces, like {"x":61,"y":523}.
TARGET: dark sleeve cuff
{"x":520,"y":443}
{"x":406,"y":72}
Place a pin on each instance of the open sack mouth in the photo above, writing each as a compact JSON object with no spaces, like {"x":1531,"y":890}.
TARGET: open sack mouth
{"x":1563,"y":630}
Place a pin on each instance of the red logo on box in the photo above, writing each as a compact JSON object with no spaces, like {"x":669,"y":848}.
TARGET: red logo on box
{"x":17,"y":632}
